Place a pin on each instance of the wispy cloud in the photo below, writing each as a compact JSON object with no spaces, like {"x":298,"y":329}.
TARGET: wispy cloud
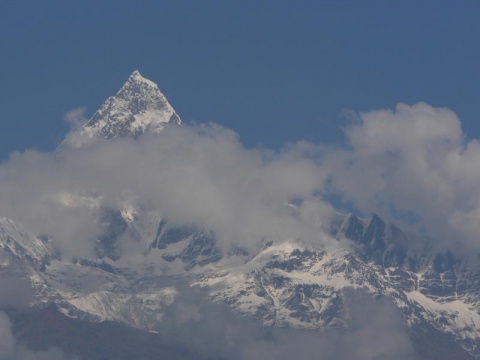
{"x":75,"y":118}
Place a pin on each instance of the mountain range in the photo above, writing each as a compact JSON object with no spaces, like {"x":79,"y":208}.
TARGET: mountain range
{"x":280,"y":284}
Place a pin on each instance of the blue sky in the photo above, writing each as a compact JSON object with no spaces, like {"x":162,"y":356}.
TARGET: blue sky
{"x":274,"y":71}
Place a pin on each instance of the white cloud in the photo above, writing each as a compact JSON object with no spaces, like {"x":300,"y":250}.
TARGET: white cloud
{"x":412,"y":160}
{"x":199,"y":175}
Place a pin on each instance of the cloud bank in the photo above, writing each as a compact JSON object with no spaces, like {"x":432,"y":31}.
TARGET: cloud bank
{"x":411,"y":165}
{"x":415,"y":163}
{"x":198,"y":175}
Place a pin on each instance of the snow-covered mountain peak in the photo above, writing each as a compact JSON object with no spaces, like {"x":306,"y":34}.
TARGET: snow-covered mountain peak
{"x":137,"y":78}
{"x":137,"y":108}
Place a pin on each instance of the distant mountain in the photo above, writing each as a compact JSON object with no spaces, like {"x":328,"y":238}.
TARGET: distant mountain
{"x":138,"y":107}
{"x":282,"y":283}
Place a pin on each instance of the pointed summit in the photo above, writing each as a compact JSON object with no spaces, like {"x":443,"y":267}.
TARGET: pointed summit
{"x":137,"y":78}
{"x":138,"y":107}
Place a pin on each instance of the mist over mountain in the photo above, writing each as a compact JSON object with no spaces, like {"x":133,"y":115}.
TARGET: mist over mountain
{"x":142,"y":236}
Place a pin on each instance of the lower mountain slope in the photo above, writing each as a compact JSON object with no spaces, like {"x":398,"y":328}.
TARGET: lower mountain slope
{"x":283,"y":284}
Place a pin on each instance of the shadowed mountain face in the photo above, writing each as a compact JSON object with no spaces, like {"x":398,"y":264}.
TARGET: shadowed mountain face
{"x":442,"y":273}
{"x":200,"y":246}
{"x":114,"y":306}
{"x":47,"y":328}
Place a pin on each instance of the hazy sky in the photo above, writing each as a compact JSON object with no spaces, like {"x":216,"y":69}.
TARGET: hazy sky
{"x":274,"y":71}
